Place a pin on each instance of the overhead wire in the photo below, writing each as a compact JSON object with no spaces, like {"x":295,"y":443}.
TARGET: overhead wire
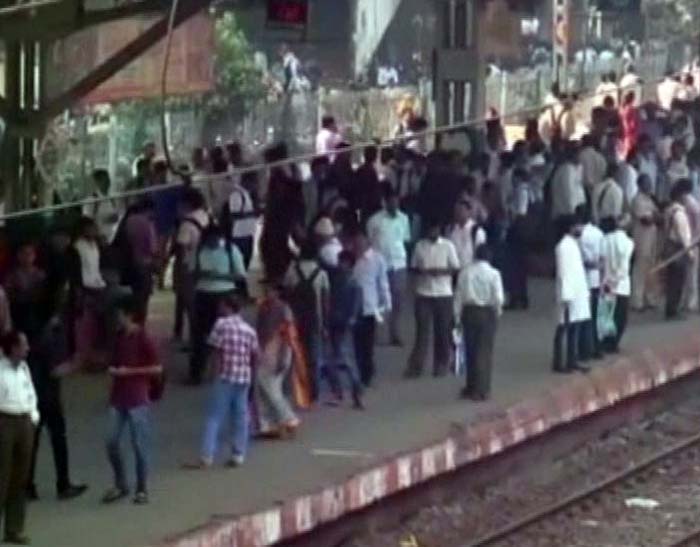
{"x":203,"y":180}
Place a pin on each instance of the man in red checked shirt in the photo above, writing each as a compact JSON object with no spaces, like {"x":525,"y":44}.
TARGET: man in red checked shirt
{"x":136,"y":367}
{"x":236,"y":348}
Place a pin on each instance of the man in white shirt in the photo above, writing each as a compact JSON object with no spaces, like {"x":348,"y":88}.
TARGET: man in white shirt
{"x":668,"y":91}
{"x":329,"y":246}
{"x":567,"y":185}
{"x":478,"y":304}
{"x":677,"y":168}
{"x":434,"y":263}
{"x":19,"y":415}
{"x":606,"y":88}
{"x":241,"y":219}
{"x":607,"y":199}
{"x":572,"y":295}
{"x":617,"y":262}
{"x":692,"y":208}
{"x":591,"y":244}
{"x":465,"y":233}
{"x":328,"y":138}
{"x":389,"y":232}
{"x":189,"y":233}
{"x":105,"y":212}
{"x":678,"y":238}
{"x":371,"y":275}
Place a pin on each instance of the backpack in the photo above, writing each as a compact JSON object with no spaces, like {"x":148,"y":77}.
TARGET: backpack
{"x":229,"y":218}
{"x":231,"y":267}
{"x":303,"y":299}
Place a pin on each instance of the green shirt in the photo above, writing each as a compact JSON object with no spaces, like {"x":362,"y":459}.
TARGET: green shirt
{"x":219,"y":268}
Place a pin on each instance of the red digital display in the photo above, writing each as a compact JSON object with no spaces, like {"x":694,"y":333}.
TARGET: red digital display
{"x":288,"y":12}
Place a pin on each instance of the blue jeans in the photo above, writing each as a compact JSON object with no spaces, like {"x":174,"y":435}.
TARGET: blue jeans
{"x":341,"y":359}
{"x":139,"y":422}
{"x":226,"y":398}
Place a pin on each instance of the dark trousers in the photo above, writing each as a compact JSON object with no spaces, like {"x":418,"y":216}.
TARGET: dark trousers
{"x":479,"y":324}
{"x":184,"y":298}
{"x":52,"y":417}
{"x":516,"y":267}
{"x":676,"y":273}
{"x":364,"y":335}
{"x":588,"y":340}
{"x":140,"y":281}
{"x":205,"y":313}
{"x":569,"y":331}
{"x":432,"y":314}
{"x":621,"y":312}
{"x":245,"y":245}
{"x":16,"y":440}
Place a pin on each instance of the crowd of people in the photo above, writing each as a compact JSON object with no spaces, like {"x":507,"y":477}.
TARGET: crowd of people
{"x":317,"y":264}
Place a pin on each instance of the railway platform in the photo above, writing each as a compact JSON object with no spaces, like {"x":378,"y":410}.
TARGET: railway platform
{"x":343,"y":460}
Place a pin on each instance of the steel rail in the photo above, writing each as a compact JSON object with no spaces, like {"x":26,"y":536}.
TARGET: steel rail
{"x":556,"y":508}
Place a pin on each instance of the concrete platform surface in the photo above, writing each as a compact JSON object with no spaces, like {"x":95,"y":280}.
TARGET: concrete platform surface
{"x":345,"y":458}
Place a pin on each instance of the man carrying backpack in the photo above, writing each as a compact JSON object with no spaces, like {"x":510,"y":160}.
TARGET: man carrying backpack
{"x":218,"y":266}
{"x":308,"y":290}
{"x":189,"y":233}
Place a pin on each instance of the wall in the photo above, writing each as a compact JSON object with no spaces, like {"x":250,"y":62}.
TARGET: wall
{"x":371,"y":20}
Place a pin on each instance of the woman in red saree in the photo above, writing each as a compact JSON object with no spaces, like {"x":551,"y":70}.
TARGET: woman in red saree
{"x":631,"y":123}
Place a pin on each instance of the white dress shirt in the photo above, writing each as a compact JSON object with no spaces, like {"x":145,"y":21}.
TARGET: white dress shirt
{"x":668,"y":90}
{"x":327,"y":141}
{"x":479,"y":284}
{"x":371,"y":275}
{"x":573,"y":295}
{"x":567,"y":190}
{"x":189,"y":234}
{"x":329,"y":253}
{"x":676,"y":171}
{"x":389,"y":235}
{"x":617,"y":259}
{"x":17,"y":395}
{"x":466,"y":241}
{"x":89,"y":255}
{"x":440,"y":254}
{"x":105,"y":214}
{"x":591,"y":244}
{"x":242,"y":211}
{"x":678,"y":224}
{"x":627,"y":177}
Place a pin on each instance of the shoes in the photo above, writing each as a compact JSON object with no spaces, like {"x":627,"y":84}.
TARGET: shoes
{"x":16,"y":539}
{"x":235,"y":461}
{"x":141,"y":498}
{"x":113,"y":495}
{"x":201,"y":464}
{"x":72,"y":491}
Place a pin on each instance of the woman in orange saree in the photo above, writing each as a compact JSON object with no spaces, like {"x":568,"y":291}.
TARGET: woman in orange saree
{"x":280,"y":359}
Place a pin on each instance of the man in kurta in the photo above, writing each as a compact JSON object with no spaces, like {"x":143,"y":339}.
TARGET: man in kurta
{"x":645,"y":213}
{"x":573,"y":305}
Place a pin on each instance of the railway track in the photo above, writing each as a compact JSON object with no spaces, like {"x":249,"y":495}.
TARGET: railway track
{"x":548,"y":518}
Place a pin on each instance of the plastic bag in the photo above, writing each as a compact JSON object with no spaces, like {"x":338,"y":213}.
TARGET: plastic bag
{"x":460,"y":360}
{"x":606,"y":317}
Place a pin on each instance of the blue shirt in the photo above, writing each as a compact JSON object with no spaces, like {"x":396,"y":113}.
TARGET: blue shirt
{"x":346,"y":300}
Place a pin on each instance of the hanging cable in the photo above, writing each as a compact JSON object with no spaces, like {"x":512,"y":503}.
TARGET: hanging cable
{"x":164,"y":88}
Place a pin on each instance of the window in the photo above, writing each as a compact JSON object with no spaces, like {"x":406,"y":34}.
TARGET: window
{"x":456,"y":101}
{"x":459,"y":18}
